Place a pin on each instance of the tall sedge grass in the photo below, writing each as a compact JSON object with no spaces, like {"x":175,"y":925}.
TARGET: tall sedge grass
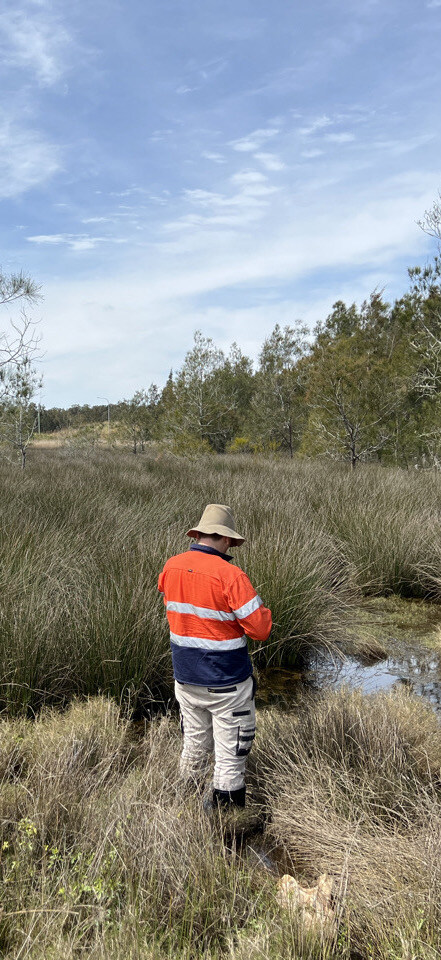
{"x":389,"y":524}
{"x":82,"y":539}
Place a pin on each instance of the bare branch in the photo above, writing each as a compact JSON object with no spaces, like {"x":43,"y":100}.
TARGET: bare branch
{"x":17,"y":286}
{"x":23,"y":343}
{"x":431,"y":222}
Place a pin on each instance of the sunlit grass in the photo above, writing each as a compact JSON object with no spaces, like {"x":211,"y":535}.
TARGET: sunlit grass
{"x":104,"y":855}
{"x":83,"y":536}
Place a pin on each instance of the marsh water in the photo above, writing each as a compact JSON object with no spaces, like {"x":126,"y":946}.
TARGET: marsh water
{"x":402,"y":648}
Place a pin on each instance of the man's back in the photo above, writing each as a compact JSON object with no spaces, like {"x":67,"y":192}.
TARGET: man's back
{"x":211,"y":604}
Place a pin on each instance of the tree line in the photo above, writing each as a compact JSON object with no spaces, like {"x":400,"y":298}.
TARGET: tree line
{"x":364,"y":385}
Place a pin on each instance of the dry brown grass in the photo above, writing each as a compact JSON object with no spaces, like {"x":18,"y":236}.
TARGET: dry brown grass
{"x":103,"y":856}
{"x":353,"y":789}
{"x":99,"y":845}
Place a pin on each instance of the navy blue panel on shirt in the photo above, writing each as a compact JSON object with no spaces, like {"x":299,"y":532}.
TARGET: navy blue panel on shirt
{"x":204,"y":548}
{"x":207,"y":668}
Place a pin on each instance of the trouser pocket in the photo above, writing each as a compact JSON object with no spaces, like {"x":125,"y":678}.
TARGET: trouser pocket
{"x":234,"y":722}
{"x":244,"y":742}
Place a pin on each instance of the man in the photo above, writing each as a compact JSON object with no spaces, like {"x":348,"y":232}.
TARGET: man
{"x":211,"y":605}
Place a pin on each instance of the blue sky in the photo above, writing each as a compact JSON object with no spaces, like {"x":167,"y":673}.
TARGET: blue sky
{"x":168,"y":165}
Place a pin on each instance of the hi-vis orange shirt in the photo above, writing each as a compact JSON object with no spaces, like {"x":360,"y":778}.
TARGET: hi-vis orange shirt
{"x":211,"y":607}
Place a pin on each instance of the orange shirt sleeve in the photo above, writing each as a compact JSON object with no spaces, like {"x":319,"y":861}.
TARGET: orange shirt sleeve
{"x":161,"y":584}
{"x":248,"y":608}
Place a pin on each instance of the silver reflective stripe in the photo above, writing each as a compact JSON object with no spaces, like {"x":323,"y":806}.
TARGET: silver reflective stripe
{"x":248,"y":608}
{"x":201,"y":643}
{"x":205,"y":612}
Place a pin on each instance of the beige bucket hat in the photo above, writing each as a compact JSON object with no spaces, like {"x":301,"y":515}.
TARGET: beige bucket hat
{"x":217,"y":518}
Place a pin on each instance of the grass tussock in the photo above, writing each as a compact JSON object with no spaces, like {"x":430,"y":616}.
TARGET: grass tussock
{"x":353,"y":789}
{"x":103,"y":854}
{"x":99,"y":846}
{"x":82,"y":539}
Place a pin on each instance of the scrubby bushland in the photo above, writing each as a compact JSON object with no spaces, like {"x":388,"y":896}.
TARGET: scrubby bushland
{"x":83,"y":537}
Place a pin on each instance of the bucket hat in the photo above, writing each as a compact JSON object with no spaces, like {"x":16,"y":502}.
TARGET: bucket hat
{"x":217,"y":518}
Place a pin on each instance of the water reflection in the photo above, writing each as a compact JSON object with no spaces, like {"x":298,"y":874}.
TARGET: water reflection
{"x":418,"y":669}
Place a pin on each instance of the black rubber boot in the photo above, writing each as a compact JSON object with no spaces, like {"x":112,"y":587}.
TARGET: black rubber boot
{"x":223,"y":798}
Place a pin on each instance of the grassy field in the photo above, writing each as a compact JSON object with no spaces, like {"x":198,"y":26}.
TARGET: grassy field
{"x":102,"y":855}
{"x":84,"y":535}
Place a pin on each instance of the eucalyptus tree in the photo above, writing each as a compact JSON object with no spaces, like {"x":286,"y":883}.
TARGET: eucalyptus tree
{"x":202,"y":404}
{"x":138,"y":416}
{"x":18,"y":416}
{"x":355,"y":388}
{"x":277,"y":406}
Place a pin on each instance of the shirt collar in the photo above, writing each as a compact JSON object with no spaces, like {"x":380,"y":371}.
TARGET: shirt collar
{"x":204,"y":548}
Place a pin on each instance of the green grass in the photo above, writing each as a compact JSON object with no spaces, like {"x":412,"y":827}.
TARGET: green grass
{"x":83,"y":537}
{"x":102,"y":856}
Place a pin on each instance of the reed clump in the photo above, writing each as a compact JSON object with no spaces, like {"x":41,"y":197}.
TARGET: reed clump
{"x":82,"y":539}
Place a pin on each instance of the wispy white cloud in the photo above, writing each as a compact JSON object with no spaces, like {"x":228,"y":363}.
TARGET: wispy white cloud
{"x":339,"y":137}
{"x":321,"y":124}
{"x":32,"y":38}
{"x":130,"y":192}
{"x":212,"y":68}
{"x":355,"y":233}
{"x":73,"y":241}
{"x":183,"y":89}
{"x":246,"y":178}
{"x":351,"y":235}
{"x":254,"y":140}
{"x":318,"y":124}
{"x":158,"y":136}
{"x":433,"y":4}
{"x":215,"y":157}
{"x":243,"y":200}
{"x":311,"y":154}
{"x":26,"y":158}
{"x":200,"y":74}
{"x":98,"y":220}
{"x":270,"y":161}
{"x":402,"y":145}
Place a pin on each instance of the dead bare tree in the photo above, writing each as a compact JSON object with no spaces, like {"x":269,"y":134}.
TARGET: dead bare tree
{"x":431,"y":222}
{"x":19,"y":380}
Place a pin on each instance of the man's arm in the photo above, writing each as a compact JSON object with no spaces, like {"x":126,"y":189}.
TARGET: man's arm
{"x":161,"y":584}
{"x":248,"y":609}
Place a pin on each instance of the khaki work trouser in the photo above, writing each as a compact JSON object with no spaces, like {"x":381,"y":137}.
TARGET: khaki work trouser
{"x":219,"y":718}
